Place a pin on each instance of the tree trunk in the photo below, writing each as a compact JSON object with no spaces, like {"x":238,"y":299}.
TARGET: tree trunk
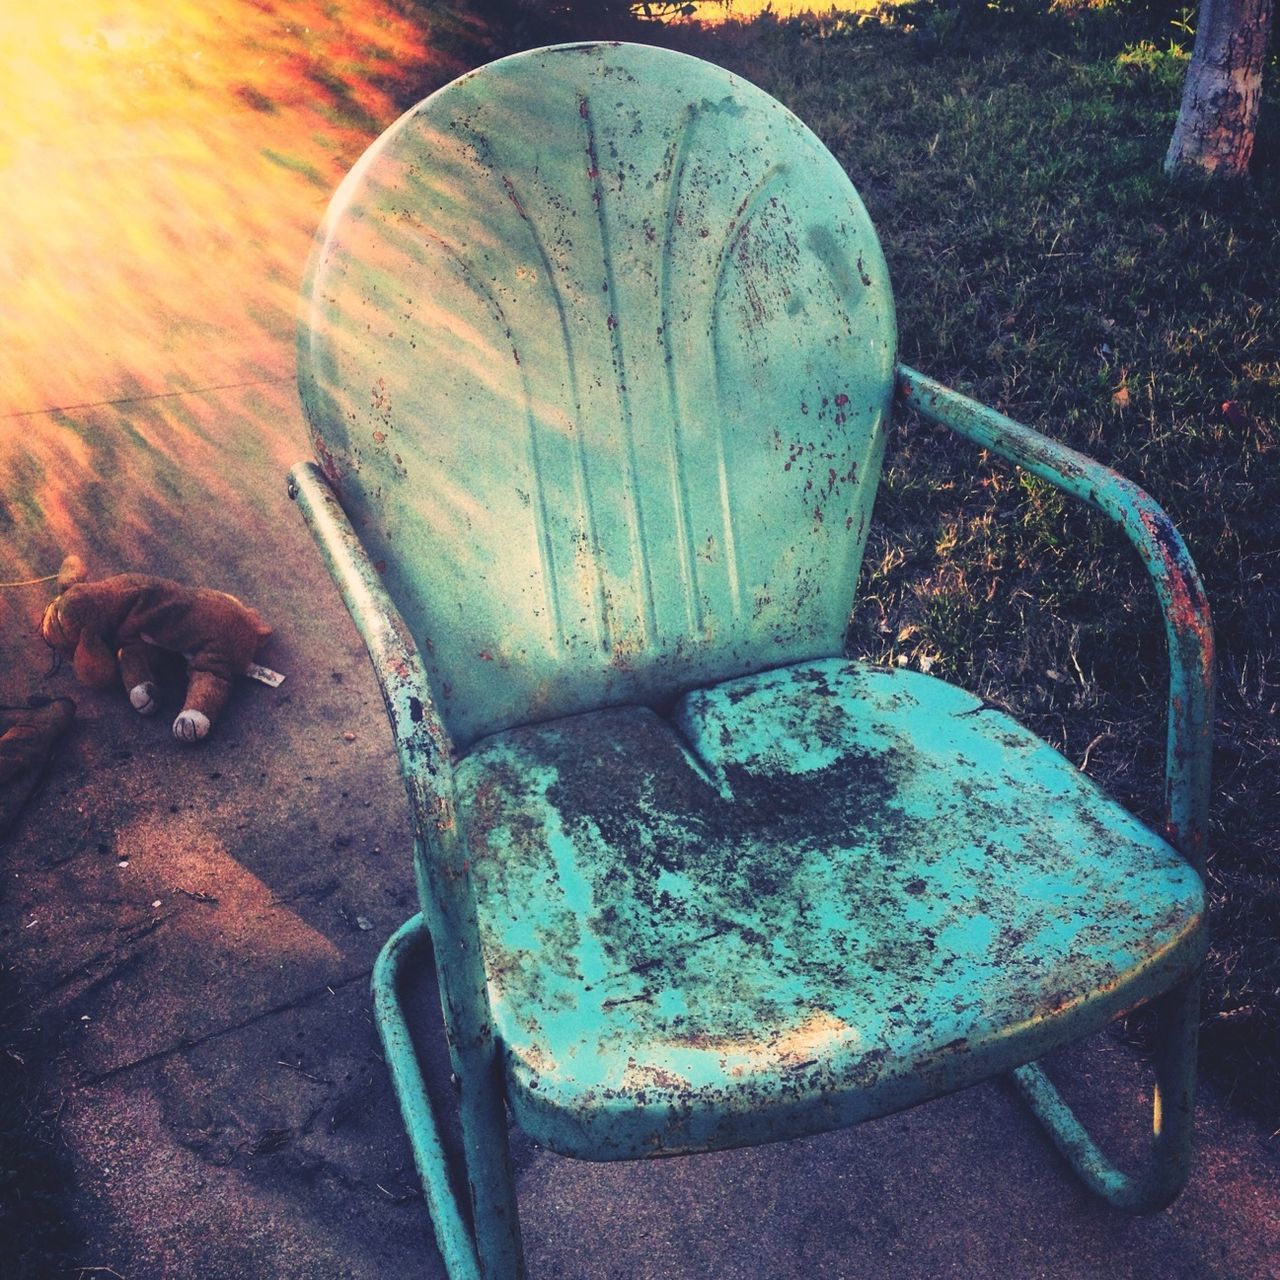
{"x":1214,"y":133}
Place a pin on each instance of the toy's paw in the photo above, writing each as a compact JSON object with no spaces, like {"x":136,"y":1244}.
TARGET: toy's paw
{"x":190,"y":726}
{"x":143,"y":697}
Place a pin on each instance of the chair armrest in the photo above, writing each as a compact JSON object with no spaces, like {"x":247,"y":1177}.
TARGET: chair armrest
{"x":440,"y":850}
{"x":1188,"y":627}
{"x":420,"y":736}
{"x":439,"y":847}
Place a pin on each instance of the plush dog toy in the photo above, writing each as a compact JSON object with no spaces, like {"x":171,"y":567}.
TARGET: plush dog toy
{"x":114,"y":625}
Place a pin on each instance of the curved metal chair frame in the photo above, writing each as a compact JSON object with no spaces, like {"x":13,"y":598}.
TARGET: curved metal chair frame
{"x":598,"y":353}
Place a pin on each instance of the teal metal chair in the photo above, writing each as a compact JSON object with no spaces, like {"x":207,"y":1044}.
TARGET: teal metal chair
{"x":598,"y":355}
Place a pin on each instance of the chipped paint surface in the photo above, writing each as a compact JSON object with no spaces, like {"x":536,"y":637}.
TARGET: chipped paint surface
{"x":598,"y":349}
{"x":816,"y":895}
{"x":1188,"y":626}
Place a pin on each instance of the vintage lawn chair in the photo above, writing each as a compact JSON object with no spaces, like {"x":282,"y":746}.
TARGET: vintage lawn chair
{"x":598,"y":353}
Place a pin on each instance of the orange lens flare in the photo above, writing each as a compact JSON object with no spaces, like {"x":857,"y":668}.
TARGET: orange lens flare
{"x":165,"y":165}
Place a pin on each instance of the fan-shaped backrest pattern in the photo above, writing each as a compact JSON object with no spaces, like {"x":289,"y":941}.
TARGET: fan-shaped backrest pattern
{"x":597,"y":350}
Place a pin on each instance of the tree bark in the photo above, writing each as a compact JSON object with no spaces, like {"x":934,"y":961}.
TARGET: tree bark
{"x":1222,"y":92}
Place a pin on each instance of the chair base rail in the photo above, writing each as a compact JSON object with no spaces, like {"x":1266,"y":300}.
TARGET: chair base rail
{"x":1151,"y":1189}
{"x":1156,"y":1185}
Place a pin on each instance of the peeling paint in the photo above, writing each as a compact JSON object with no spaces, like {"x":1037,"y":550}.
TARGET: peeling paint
{"x":825,"y":890}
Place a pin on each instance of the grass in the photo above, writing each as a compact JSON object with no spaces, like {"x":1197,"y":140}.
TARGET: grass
{"x":1043,"y":264}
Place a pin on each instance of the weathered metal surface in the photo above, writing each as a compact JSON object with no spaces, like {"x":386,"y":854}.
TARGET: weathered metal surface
{"x":1189,"y":634}
{"x":1188,"y":627}
{"x":597,"y":349}
{"x":824,"y":893}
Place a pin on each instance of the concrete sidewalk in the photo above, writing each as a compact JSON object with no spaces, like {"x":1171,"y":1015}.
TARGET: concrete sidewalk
{"x":194,"y":928}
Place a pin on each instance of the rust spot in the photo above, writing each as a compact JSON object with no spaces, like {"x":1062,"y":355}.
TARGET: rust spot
{"x":1188,"y":608}
{"x":515,"y":199}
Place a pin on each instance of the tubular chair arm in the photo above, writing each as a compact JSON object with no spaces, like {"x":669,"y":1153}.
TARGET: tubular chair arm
{"x":425,"y":764}
{"x":1188,"y":627}
{"x":448,"y":918}
{"x":420,"y":736}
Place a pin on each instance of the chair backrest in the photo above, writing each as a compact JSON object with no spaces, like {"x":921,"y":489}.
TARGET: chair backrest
{"x":597,"y":349}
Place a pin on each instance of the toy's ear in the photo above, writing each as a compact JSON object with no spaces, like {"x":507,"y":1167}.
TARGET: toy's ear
{"x":53,"y":629}
{"x":94,"y":663}
{"x":60,"y":629}
{"x":72,"y":571}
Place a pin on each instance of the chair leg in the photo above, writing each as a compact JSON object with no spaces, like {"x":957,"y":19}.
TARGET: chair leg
{"x":493,"y":1250}
{"x":1168,"y":1163}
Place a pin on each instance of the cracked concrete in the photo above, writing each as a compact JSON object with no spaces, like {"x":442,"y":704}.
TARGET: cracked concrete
{"x":186,"y":924}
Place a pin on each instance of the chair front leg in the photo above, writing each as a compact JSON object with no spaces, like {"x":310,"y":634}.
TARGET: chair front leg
{"x":493,"y":1250}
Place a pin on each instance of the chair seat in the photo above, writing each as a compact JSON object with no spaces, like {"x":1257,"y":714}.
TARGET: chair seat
{"x":800,"y":899}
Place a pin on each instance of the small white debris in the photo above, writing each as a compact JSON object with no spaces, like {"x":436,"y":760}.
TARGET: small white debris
{"x":363,"y":922}
{"x":156,"y":903}
{"x":124,"y":862}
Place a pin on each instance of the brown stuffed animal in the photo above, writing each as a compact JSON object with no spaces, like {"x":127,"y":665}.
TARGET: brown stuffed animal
{"x":121,"y":620}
